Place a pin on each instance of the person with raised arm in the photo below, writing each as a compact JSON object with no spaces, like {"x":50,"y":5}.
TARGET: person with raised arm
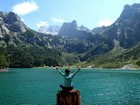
{"x":67,"y":78}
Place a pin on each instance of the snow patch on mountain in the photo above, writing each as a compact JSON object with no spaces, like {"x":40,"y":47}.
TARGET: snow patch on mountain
{"x":54,"y":29}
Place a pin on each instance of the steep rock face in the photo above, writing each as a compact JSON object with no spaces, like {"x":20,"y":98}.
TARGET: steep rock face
{"x":3,"y":28}
{"x":130,"y":12}
{"x":14,"y":32}
{"x":72,"y":30}
{"x":11,"y":22}
{"x":126,"y":28}
{"x":68,"y":29}
{"x":83,"y":40}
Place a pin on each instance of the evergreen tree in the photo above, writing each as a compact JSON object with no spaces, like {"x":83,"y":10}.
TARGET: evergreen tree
{"x":3,"y":61}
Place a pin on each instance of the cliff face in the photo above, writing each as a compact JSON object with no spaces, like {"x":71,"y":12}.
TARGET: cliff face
{"x":126,"y":28}
{"x":72,"y":30}
{"x":68,"y":29}
{"x":130,"y":12}
{"x":10,"y":22}
{"x":13,"y":31}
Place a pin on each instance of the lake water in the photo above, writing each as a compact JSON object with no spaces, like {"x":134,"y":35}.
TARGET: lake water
{"x":97,"y":87}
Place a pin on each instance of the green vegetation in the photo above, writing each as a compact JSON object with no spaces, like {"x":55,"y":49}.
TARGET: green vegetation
{"x":70,"y":59}
{"x":31,"y":56}
{"x":116,"y":58}
{"x":27,"y":55}
{"x":3,"y":61}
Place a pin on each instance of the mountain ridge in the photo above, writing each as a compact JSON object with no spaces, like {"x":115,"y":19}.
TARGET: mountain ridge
{"x":12,"y":22}
{"x":73,"y":44}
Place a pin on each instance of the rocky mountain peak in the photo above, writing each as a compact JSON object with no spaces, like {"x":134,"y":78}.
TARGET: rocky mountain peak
{"x":11,"y":22}
{"x":73,"y":30}
{"x":3,"y":14}
{"x":11,"y":16}
{"x":83,"y":28}
{"x":68,"y":29}
{"x":126,"y":28}
{"x":130,"y":11}
{"x":74,"y":23}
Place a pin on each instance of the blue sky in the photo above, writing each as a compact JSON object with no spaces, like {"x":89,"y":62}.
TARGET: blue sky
{"x":90,"y":13}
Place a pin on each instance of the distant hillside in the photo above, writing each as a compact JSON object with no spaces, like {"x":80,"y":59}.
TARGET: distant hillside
{"x":115,"y":58}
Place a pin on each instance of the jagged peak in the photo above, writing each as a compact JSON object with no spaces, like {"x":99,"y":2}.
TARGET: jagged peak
{"x":13,"y":16}
{"x":72,"y":24}
{"x":134,"y":6}
{"x":12,"y":22}
{"x":3,"y":14}
{"x":129,"y":10}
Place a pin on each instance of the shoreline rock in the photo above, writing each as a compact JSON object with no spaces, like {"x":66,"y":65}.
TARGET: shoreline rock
{"x":3,"y":70}
{"x":129,"y":67}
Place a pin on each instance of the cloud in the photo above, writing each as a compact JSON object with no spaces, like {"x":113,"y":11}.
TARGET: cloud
{"x":57,"y":20}
{"x":42,"y":23}
{"x":105,"y":22}
{"x":25,"y":7}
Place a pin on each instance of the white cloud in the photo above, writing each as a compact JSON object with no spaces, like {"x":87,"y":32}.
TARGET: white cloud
{"x":25,"y":7}
{"x":58,"y":20}
{"x":42,"y":23}
{"x":105,"y":22}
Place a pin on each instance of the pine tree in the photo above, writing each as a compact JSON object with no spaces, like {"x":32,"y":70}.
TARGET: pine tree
{"x":3,"y":61}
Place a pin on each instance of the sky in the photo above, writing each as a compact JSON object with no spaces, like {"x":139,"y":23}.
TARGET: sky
{"x":90,"y":13}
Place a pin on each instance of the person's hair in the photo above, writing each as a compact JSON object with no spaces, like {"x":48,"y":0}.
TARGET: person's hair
{"x":67,"y":71}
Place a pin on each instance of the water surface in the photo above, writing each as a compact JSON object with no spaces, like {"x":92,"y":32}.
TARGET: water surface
{"x":39,"y":86}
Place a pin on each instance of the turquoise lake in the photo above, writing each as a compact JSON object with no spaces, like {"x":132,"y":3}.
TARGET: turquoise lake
{"x":39,"y":86}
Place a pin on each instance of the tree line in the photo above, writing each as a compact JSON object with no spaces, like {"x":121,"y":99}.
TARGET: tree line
{"x":29,"y":56}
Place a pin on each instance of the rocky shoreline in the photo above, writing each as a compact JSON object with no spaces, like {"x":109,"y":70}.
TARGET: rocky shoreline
{"x":129,"y":67}
{"x":125,"y":67}
{"x":3,"y":70}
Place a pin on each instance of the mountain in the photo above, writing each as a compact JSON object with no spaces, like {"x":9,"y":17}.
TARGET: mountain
{"x":54,"y":29}
{"x":68,"y":29}
{"x":10,"y":22}
{"x":113,"y":46}
{"x":72,"y":30}
{"x":24,"y":47}
{"x":126,"y":28}
{"x":13,"y":31}
{"x":87,"y":40}
{"x":125,"y":34}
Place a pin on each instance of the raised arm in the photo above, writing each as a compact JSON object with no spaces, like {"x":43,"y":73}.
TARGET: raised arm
{"x":57,"y":68}
{"x":76,"y":71}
